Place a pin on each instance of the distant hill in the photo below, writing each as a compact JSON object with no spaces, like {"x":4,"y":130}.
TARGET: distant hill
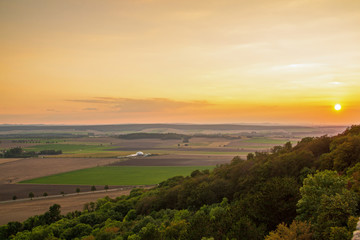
{"x":69,"y":130}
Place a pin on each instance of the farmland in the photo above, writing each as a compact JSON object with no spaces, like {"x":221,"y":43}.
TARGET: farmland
{"x":70,"y":148}
{"x":95,"y":155}
{"x":29,"y":168}
{"x":124,"y":175}
{"x":21,"y":210}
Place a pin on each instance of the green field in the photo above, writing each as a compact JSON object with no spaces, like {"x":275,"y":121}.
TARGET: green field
{"x":124,"y":175}
{"x":70,"y":148}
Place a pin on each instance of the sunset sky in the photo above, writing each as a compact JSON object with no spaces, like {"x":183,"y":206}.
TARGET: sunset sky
{"x":166,"y":61}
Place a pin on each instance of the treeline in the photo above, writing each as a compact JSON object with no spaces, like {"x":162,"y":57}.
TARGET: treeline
{"x":25,"y":141}
{"x":50,"y":152}
{"x":33,"y":141}
{"x":163,"y":136}
{"x":18,"y":152}
{"x":43,"y":135}
{"x":226,"y":136}
{"x":310,"y":191}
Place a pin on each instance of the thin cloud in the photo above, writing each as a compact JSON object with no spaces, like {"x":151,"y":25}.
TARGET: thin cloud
{"x":52,"y":110}
{"x":87,"y":100}
{"x":142,"y":105}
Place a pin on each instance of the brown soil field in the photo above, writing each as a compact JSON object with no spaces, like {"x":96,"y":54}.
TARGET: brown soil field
{"x":5,"y":160}
{"x":21,"y":191}
{"x":29,"y":168}
{"x":21,"y":210}
{"x":6,"y":143}
{"x":176,"y":160}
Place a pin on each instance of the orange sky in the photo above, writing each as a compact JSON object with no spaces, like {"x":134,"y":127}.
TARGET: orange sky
{"x":146,"y":61}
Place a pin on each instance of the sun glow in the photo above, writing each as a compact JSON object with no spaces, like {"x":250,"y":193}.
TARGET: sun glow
{"x":337,"y":107}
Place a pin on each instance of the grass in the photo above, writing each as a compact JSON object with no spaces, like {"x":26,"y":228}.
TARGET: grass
{"x":102,"y":154}
{"x":124,"y":175}
{"x":41,"y":140}
{"x":70,"y":148}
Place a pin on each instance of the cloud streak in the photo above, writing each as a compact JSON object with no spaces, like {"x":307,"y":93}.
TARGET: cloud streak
{"x":133,"y":105}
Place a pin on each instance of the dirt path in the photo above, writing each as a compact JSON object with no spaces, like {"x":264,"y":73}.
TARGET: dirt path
{"x":21,"y":210}
{"x":7,"y":191}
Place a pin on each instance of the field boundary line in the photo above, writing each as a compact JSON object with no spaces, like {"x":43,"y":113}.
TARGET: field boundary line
{"x":75,"y":194}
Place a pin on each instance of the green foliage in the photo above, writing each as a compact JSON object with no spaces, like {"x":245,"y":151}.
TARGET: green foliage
{"x":18,"y":152}
{"x":78,"y":230}
{"x":31,"y":195}
{"x":50,"y":152}
{"x":326,"y":183}
{"x":296,"y":231}
{"x":326,"y":203}
{"x":131,"y":215}
{"x":339,"y":233}
{"x":274,"y":202}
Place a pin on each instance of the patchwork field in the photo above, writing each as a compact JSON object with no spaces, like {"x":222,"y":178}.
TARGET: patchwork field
{"x":93,"y":155}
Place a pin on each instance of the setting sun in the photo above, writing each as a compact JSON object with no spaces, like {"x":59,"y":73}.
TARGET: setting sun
{"x":337,"y":107}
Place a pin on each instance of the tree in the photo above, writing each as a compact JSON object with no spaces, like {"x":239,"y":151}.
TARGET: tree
{"x":250,"y":156}
{"x":14,"y":197}
{"x":347,"y":154}
{"x":274,"y":202}
{"x":296,"y":231}
{"x":53,"y":214}
{"x":314,"y":187}
{"x":45,"y":194}
{"x":31,"y":195}
{"x":13,"y":152}
{"x":106,"y":187}
{"x":326,"y":203}
{"x":78,"y":190}
{"x":93,"y":188}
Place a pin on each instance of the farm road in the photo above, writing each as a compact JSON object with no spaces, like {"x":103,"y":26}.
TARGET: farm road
{"x":7,"y":191}
{"x":21,"y":210}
